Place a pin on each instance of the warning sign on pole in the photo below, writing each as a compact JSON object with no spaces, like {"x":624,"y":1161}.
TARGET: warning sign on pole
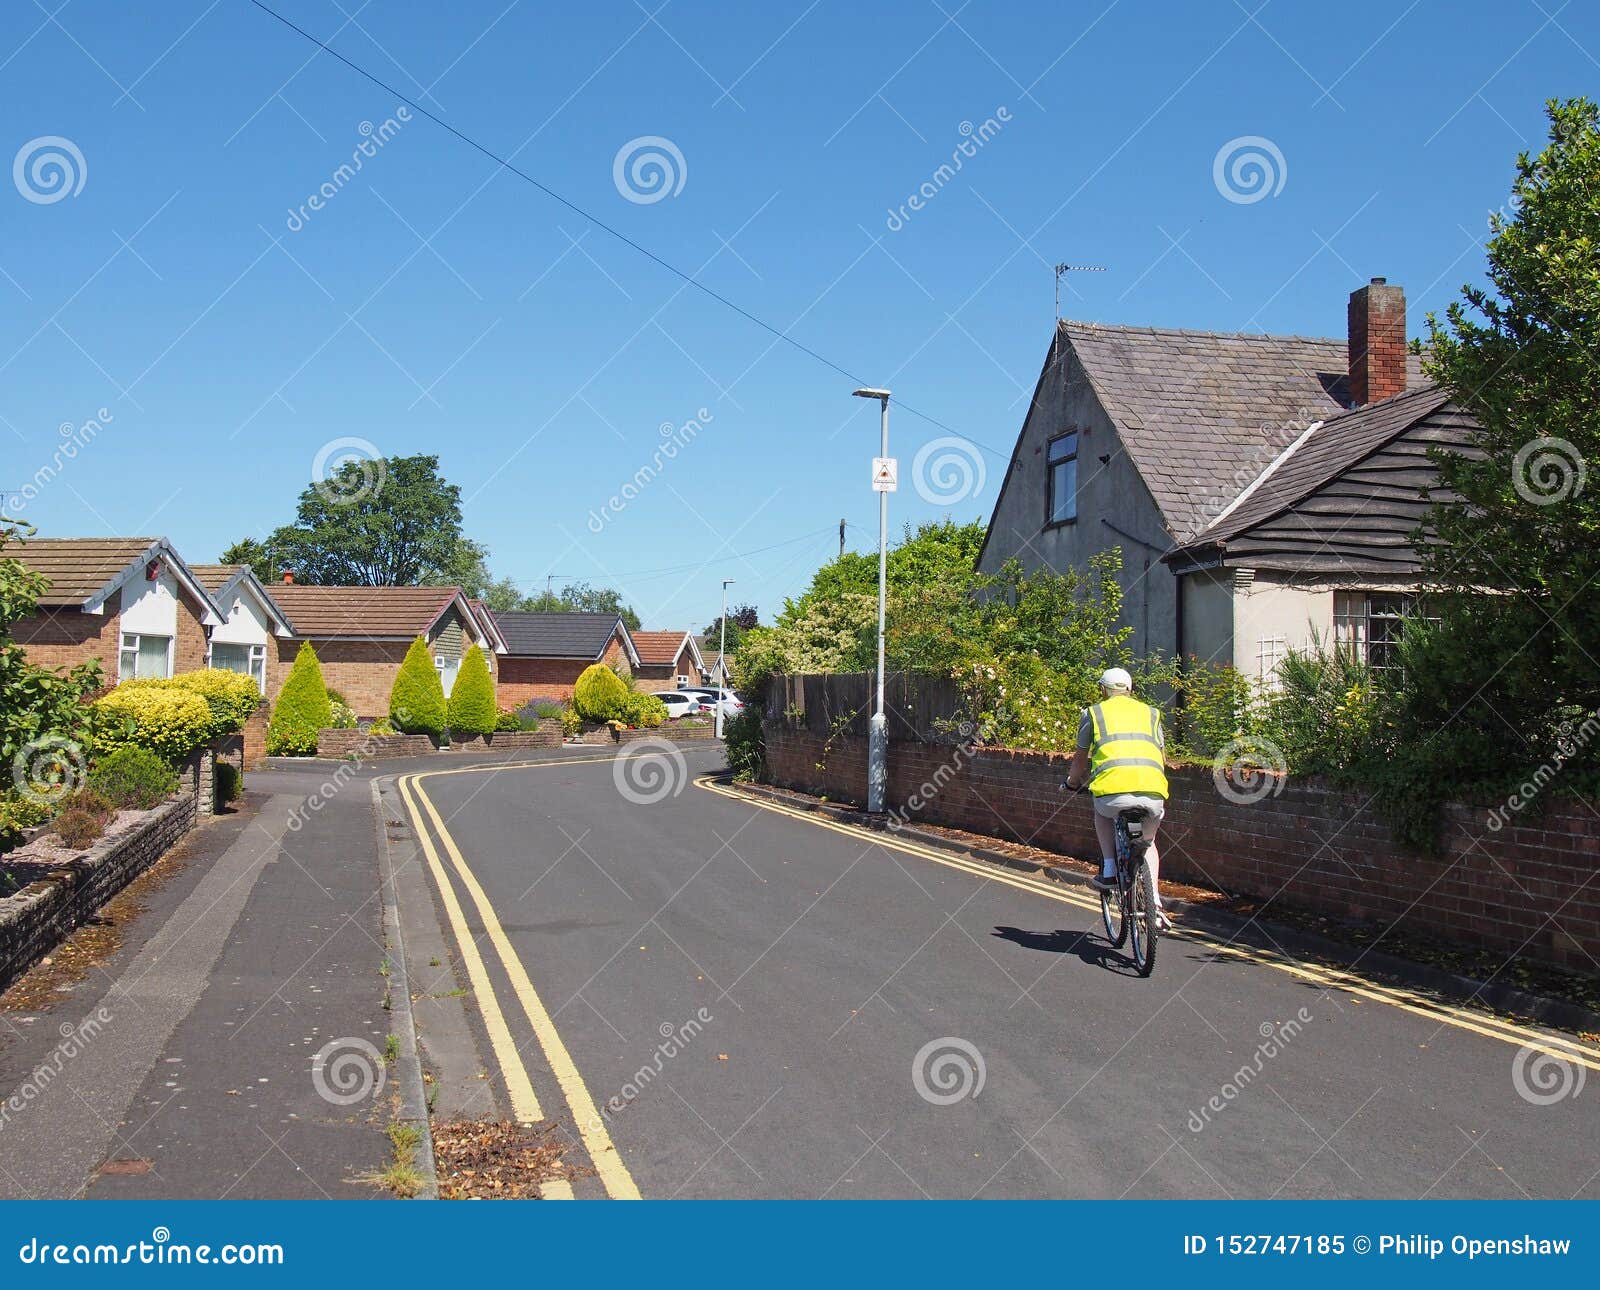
{"x":885,"y":474}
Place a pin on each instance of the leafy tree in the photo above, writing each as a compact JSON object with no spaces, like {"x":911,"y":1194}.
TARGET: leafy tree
{"x":36,"y":702}
{"x":302,"y":709}
{"x":580,"y":597}
{"x":255,"y":553}
{"x":503,"y":596}
{"x":393,"y":522}
{"x":600,"y":694}
{"x":416,"y":700}
{"x":741,"y":619}
{"x":471,"y":707}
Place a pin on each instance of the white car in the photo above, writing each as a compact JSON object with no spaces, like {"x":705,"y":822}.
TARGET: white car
{"x":679,"y":703}
{"x":709,"y":698}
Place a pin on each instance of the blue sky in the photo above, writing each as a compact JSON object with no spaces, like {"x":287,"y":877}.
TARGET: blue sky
{"x":437,"y":303}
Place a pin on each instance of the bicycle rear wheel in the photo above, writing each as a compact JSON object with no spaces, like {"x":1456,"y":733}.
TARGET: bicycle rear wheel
{"x":1111,"y":916}
{"x":1143,"y":919}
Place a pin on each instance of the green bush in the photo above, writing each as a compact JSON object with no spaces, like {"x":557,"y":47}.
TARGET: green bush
{"x":600,"y":694}
{"x":507,"y":720}
{"x":742,"y":741}
{"x":230,"y":783}
{"x":18,"y":813}
{"x":77,"y":828}
{"x":643,"y":711}
{"x":133,"y":778}
{"x":232,"y":696}
{"x":471,"y":708}
{"x":168,"y":720}
{"x":383,"y":726}
{"x":416,"y":702}
{"x":302,"y":708}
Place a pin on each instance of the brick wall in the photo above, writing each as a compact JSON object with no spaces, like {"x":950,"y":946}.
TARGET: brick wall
{"x":63,"y":638}
{"x":1530,"y":890}
{"x":189,"y":647}
{"x":35,"y":919}
{"x":346,"y":743}
{"x":548,"y":735}
{"x":522,"y":680}
{"x":363,"y":671}
{"x":678,"y":734}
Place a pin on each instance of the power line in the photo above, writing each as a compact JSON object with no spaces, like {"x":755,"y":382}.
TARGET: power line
{"x":677,"y":568}
{"x":599,"y":223}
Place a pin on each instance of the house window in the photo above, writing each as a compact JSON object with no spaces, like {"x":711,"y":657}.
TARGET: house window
{"x":1369,"y":622}
{"x":1270,"y":651}
{"x":448,"y":667}
{"x":250,"y":660}
{"x":142,"y":656}
{"x":1061,"y":457}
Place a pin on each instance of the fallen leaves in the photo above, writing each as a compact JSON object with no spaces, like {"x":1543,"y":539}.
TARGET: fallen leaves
{"x":499,"y":1159}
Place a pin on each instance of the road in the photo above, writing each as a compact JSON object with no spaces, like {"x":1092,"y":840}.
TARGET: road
{"x":775,"y":1008}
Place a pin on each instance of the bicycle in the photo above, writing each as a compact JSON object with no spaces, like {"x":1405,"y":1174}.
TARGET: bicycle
{"x":1130,"y":909}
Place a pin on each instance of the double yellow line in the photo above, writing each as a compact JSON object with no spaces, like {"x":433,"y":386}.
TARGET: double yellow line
{"x":607,"y":1162}
{"x":1480,"y":1023}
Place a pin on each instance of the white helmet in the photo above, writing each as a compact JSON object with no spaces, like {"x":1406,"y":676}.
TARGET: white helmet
{"x":1115,"y":680}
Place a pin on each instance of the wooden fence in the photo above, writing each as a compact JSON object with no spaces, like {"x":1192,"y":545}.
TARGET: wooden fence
{"x":927,"y":709}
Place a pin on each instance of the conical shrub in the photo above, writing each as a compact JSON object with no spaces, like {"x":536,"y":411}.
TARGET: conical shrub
{"x":302,"y":708}
{"x":600,"y":694}
{"x":472,"y":708}
{"x":416,"y":703}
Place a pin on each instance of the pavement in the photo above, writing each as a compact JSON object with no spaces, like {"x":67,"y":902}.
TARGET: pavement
{"x":761,"y":1003}
{"x":718,"y":995}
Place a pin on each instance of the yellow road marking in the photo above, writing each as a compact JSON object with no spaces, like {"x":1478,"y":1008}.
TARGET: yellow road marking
{"x":1488,"y":1026}
{"x":607,"y":1161}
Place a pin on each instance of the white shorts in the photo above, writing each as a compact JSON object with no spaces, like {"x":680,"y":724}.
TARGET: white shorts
{"x":1112,"y":805}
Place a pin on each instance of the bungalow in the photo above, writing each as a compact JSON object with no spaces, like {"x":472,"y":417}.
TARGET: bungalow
{"x":714,"y":668}
{"x":673,"y":657}
{"x":361,"y":635}
{"x":130,"y":603}
{"x":547,"y":652}
{"x":1263,"y":488}
{"x":252,"y":623}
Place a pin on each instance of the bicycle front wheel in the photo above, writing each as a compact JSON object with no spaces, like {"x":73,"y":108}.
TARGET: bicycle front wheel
{"x":1143,"y":919}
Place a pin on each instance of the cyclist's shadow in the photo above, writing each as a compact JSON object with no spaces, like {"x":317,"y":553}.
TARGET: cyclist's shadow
{"x":1093,"y":950}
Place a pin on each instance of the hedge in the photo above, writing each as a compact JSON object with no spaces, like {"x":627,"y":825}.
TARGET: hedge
{"x":302,"y":708}
{"x":231,"y":696}
{"x":168,"y":720}
{"x":600,"y":694}
{"x":472,"y":708}
{"x":416,"y":702}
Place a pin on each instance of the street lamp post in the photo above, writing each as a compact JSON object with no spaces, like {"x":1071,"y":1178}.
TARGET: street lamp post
{"x":878,"y":731}
{"x":722,"y":655}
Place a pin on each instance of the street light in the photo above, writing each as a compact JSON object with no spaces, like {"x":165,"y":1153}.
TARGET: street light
{"x":722,"y":655}
{"x":878,"y":731}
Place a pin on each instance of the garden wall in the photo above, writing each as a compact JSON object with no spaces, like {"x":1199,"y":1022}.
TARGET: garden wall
{"x":548,"y":735}
{"x":677,"y":734}
{"x":358,"y":743}
{"x":1528,"y":890}
{"x":37,"y":918}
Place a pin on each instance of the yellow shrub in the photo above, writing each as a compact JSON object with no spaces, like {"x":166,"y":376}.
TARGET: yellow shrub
{"x":231,"y":696}
{"x":168,"y":720}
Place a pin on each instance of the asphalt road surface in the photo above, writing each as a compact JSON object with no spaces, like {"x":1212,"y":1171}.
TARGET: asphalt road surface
{"x":764,"y":1006}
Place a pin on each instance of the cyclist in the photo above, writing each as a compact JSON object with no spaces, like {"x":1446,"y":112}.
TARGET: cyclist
{"x":1120,"y":755}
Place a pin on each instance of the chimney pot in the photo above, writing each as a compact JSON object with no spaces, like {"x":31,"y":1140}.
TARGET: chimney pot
{"x":1377,"y":342}
{"x":288,"y":576}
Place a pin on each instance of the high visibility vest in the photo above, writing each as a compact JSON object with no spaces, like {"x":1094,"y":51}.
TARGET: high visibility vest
{"x":1126,"y":754}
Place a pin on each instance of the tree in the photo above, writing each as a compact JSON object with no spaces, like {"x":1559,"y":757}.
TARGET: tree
{"x":303,"y":708}
{"x":253,"y":552}
{"x":581,"y":598}
{"x":416,"y":700}
{"x":741,"y":619}
{"x":503,"y":596}
{"x":391,"y":522}
{"x":471,"y":707}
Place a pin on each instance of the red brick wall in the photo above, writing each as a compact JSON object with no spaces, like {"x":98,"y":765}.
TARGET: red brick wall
{"x":63,"y":638}
{"x":189,"y":648}
{"x":1529,"y":890}
{"x":363,"y":671}
{"x":522,"y":680}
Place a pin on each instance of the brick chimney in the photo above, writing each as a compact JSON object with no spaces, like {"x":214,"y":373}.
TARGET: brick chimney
{"x":1377,"y":328}
{"x":288,"y":577}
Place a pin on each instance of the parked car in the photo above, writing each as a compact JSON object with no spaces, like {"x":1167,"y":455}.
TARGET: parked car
{"x":709,"y":697}
{"x":680,"y":703}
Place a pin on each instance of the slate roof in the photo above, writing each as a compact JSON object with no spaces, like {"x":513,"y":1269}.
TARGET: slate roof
{"x":367,"y":613}
{"x":559,"y":635}
{"x":1205,"y":411}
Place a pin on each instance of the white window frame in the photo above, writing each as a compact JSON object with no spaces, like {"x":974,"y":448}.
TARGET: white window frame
{"x":257,"y":661}
{"x":1353,"y":617}
{"x":124,"y":649}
